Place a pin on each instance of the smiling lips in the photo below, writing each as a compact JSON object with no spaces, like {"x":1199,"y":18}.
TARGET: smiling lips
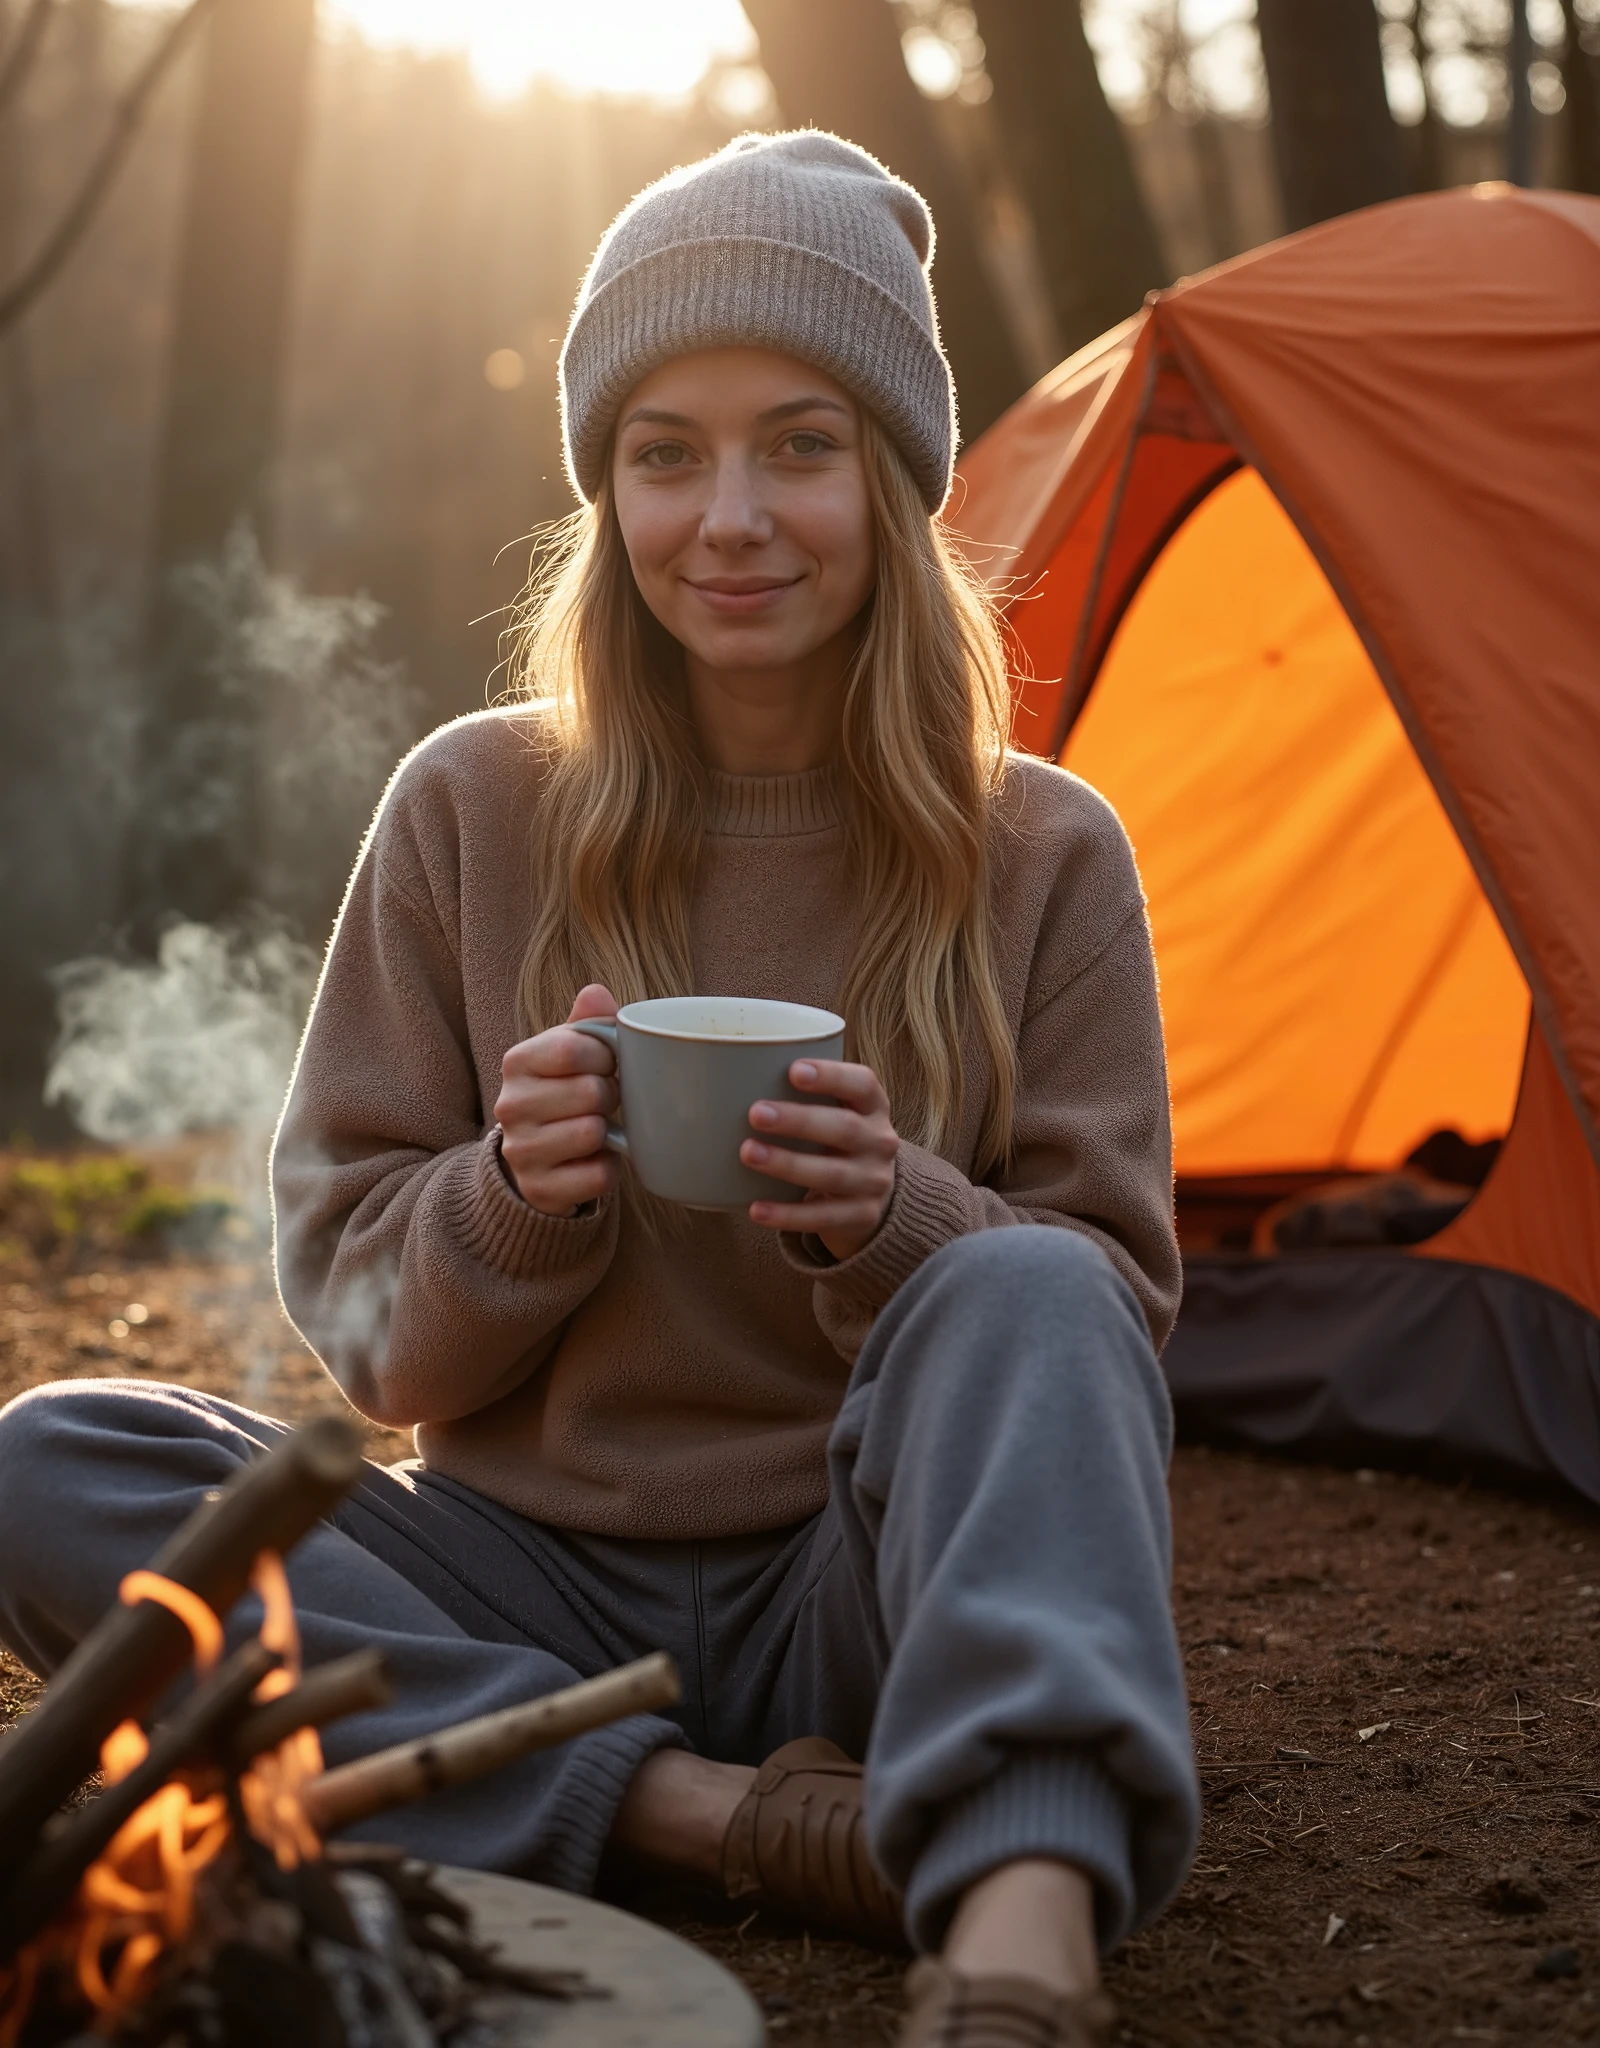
{"x":741,"y":596}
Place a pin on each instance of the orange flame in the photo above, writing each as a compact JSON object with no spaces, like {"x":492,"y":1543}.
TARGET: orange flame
{"x":198,"y":1618}
{"x":138,"y":1897}
{"x":270,"y":1789}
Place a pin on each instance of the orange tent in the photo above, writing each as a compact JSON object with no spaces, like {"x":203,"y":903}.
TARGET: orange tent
{"x":1303,"y":567}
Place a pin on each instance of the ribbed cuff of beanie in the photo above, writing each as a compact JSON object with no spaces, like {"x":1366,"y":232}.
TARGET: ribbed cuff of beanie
{"x":495,"y":1226}
{"x":1041,"y":1802}
{"x":755,"y":292}
{"x":929,"y":1206}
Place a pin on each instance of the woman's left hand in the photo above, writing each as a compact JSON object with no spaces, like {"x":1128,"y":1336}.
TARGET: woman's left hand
{"x":847,"y":1187}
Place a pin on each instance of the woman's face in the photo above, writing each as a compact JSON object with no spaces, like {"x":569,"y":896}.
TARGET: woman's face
{"x":742,"y":496}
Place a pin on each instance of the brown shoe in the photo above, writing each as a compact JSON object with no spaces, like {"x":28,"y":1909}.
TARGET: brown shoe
{"x":952,"y":2011}
{"x":796,"y":1842}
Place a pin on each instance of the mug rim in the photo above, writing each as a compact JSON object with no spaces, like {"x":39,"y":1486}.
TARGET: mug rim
{"x":826,"y":1025}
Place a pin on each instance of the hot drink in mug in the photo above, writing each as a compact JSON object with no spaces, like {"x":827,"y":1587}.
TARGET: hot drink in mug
{"x":689,"y":1068}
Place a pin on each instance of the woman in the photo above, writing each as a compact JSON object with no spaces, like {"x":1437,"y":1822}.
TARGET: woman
{"x":886,"y":1474}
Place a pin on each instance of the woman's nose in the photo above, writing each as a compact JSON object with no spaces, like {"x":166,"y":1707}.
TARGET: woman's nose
{"x":735,"y":515}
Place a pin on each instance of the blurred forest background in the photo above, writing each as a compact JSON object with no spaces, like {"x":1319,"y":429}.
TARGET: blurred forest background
{"x":281,"y":293}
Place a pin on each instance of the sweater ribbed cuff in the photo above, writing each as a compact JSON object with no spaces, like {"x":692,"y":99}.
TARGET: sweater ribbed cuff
{"x":580,"y":1815}
{"x":930,"y":1206}
{"x":494,"y":1225}
{"x":1041,"y":1802}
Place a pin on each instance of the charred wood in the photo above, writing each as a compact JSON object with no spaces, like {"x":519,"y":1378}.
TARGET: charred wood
{"x":347,"y":1685}
{"x":127,"y":1661}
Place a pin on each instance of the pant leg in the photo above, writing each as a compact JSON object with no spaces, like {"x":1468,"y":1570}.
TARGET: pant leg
{"x":785,"y":1643}
{"x":95,"y":1475}
{"x":733,"y":1611}
{"x":999,"y":1473}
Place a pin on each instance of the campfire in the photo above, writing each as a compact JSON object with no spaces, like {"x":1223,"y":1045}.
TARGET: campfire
{"x":197,"y":1901}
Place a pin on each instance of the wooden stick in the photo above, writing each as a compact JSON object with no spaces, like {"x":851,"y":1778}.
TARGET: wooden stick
{"x":347,"y":1685}
{"x":50,"y":1876}
{"x":395,"y":1777}
{"x":133,"y":1653}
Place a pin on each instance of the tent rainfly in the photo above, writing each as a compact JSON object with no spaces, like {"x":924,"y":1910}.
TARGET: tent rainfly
{"x":1303,"y":569}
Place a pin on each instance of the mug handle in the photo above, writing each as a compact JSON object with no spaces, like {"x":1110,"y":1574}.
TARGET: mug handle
{"x":605,"y":1029}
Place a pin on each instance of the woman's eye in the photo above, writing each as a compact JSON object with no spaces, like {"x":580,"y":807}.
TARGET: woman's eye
{"x":665,"y":455}
{"x":807,"y":443}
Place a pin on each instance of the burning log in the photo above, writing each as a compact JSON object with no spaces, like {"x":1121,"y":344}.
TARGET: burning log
{"x":124,"y":1924}
{"x":50,"y":1876}
{"x":189,"y":1905}
{"x":411,"y":1770}
{"x":184,"y":1933}
{"x":128,"y":1660}
{"x":347,"y":1685}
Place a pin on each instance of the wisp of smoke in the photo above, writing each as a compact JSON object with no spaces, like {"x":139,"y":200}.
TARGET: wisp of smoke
{"x":305,"y":724}
{"x":201,"y":1038}
{"x":304,"y":710}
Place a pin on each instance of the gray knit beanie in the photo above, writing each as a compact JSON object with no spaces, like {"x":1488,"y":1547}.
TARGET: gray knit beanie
{"x":796,"y":242}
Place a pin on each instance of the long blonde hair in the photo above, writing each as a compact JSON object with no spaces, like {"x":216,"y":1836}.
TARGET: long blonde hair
{"x":618,"y":832}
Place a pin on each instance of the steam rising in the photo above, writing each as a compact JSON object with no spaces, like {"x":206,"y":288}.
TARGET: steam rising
{"x":201,"y":1038}
{"x":305,"y":724}
{"x":311,"y":723}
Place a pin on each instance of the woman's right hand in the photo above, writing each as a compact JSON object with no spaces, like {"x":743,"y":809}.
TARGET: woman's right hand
{"x":556,"y":1092}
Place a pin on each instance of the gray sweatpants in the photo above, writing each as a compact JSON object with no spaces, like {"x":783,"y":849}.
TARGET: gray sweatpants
{"x":981,"y":1610}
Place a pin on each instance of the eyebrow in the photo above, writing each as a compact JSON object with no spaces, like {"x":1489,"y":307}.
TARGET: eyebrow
{"x":653,"y":416}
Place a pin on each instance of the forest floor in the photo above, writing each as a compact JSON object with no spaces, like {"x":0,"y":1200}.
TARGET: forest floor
{"x":1396,"y":1695}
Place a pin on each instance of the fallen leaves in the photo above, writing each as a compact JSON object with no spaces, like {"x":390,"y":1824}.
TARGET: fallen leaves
{"x":1377,"y":1728}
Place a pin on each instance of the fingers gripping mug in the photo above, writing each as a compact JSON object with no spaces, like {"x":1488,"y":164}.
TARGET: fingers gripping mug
{"x":689,"y":1068}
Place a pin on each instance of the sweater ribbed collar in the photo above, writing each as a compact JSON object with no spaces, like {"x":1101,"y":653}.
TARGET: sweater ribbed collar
{"x":772,"y":806}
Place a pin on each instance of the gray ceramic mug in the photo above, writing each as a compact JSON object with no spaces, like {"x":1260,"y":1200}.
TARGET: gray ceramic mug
{"x":689,"y":1069}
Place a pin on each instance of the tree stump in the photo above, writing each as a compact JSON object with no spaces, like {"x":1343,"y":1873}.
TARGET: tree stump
{"x":662,"y":1992}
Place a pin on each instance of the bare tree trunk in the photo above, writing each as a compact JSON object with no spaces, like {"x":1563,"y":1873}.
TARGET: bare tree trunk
{"x":195,"y":825}
{"x":233,"y":280}
{"x":418,"y":524}
{"x":1215,"y":181}
{"x":838,"y":64}
{"x":1427,"y":140}
{"x":34,"y":578}
{"x":1072,"y":164}
{"x":19,"y":48}
{"x":1519,"y":120}
{"x":1580,"y":75}
{"x":31,"y":752}
{"x":1334,"y":139}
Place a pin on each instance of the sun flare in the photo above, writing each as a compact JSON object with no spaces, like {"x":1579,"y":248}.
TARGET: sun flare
{"x":657,"y":47}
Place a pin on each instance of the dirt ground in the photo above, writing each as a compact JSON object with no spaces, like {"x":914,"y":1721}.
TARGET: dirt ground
{"x":1396,"y":1692}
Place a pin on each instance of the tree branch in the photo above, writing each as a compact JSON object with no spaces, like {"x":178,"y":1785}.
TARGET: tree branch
{"x":74,"y":223}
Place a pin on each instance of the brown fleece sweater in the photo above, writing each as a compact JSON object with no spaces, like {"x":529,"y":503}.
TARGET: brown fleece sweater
{"x":581,"y":1370}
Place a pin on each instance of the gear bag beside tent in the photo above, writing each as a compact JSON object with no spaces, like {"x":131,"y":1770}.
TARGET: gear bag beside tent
{"x":1303,"y":568}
